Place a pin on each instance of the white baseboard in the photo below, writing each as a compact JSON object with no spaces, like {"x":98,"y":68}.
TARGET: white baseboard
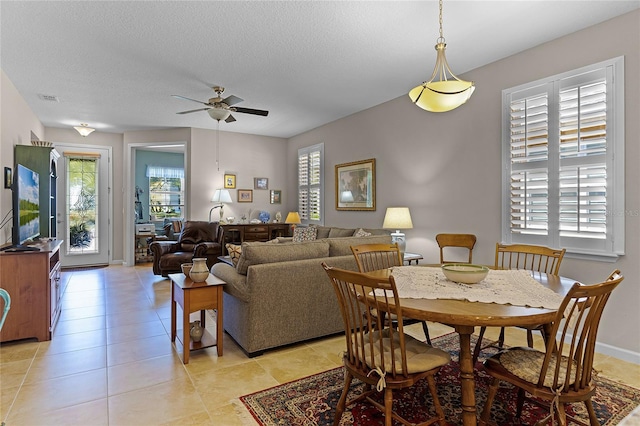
{"x":616,"y":352}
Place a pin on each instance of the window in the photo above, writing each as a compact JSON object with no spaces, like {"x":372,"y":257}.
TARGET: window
{"x":563,"y":156}
{"x":311,"y":183}
{"x":166,"y":192}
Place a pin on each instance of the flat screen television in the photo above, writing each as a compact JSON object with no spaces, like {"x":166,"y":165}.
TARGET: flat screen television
{"x":26,"y":205}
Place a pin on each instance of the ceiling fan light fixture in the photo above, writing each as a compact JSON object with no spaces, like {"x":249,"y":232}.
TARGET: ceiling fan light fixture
{"x":84,"y":129}
{"x":444,"y":91}
{"x":219,"y":113}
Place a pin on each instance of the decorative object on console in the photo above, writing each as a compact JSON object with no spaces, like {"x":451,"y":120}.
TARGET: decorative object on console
{"x":356,"y":185}
{"x":260,"y":183}
{"x":448,"y":91}
{"x":84,"y":129}
{"x":245,"y":195}
{"x":276,"y":196}
{"x":293,"y":218}
{"x":229,"y":181}
{"x":264,"y":216}
{"x":278,"y":217}
{"x":220,"y":196}
{"x":199,"y":271}
{"x":398,"y":218}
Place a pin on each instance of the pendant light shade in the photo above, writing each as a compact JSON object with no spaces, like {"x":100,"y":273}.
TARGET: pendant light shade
{"x":444,"y":91}
{"x":84,"y":129}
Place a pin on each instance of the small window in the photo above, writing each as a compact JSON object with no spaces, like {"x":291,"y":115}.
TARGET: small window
{"x":311,"y":183}
{"x":166,"y":192}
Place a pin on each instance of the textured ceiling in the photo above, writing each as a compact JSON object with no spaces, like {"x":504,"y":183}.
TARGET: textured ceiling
{"x":115,"y":64}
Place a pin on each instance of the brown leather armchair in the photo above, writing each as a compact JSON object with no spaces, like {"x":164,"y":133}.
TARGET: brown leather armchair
{"x":197,"y":239}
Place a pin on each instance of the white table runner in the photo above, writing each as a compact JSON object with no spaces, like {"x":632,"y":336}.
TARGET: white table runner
{"x":505,"y":287}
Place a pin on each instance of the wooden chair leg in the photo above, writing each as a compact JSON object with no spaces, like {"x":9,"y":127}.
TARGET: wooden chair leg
{"x":519,"y":403}
{"x":501,"y":338}
{"x":431,"y":381}
{"x":530,"y":338}
{"x":388,"y":406}
{"x":491,"y":394}
{"x":562,"y":415}
{"x":478,"y":348}
{"x":425,"y":328}
{"x":343,"y":398}
{"x":593,"y":419}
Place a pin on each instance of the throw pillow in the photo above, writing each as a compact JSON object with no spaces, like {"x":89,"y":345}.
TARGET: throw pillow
{"x":234,"y":253}
{"x":301,"y":234}
{"x":361,"y":233}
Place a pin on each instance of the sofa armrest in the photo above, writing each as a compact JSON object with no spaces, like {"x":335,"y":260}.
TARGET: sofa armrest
{"x":236,"y":283}
{"x":158,"y":248}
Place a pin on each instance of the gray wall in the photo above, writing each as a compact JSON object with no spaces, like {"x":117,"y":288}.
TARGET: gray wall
{"x":446,"y":167}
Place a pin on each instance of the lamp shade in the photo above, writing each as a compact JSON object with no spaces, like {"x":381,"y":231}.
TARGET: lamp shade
{"x":219,"y":113}
{"x":293,"y":217}
{"x":397,"y":218}
{"x":221,"y":196}
{"x":84,"y":129}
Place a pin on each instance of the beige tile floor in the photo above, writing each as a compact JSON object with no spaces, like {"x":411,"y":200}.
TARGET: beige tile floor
{"x":111,"y":362}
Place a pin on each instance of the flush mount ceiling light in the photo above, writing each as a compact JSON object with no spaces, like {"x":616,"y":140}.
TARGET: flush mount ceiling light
{"x":444,"y":91}
{"x":84,"y":129}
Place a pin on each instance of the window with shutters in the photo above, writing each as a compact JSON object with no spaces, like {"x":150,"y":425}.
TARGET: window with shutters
{"x":563,"y":156}
{"x":311,"y":184}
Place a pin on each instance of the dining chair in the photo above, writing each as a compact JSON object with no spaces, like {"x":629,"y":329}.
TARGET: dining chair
{"x":371,"y":257}
{"x":563,"y":373}
{"x":529,"y":257}
{"x":464,"y":241}
{"x":378,"y":354}
{"x":4,"y":294}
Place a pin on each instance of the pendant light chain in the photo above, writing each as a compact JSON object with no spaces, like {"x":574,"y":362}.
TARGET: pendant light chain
{"x":441,"y":36}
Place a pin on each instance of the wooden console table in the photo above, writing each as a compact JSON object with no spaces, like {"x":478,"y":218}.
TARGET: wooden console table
{"x":237,"y":233}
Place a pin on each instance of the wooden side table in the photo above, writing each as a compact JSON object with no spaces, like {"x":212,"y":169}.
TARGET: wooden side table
{"x":193,"y":297}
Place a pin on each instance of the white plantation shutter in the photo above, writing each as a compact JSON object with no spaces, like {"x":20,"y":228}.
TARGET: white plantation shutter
{"x":310,"y":183}
{"x":563,"y":185}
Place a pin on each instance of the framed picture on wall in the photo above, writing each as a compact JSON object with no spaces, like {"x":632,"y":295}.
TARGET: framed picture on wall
{"x":276,"y":196}
{"x":245,"y":195}
{"x":260,"y":183}
{"x":356,"y":185}
{"x":230,"y":181}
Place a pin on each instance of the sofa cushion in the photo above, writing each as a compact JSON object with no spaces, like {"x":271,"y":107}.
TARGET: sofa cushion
{"x":341,"y":232}
{"x":234,"y":251}
{"x":361,"y":233}
{"x":342,"y":246}
{"x":301,"y":234}
{"x":323,"y":231}
{"x":254,"y":253}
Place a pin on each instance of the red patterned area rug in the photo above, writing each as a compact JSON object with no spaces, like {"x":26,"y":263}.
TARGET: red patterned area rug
{"x":312,"y":400}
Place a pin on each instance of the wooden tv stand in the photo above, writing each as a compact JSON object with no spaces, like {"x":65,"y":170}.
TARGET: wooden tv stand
{"x":32,"y":279}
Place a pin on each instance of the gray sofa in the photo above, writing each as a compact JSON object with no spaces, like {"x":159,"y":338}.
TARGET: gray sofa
{"x":279,"y":294}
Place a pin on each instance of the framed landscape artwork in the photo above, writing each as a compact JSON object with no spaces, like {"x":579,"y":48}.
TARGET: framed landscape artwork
{"x":276,"y":196}
{"x":230,"y":181}
{"x":356,"y":185}
{"x":245,"y":195}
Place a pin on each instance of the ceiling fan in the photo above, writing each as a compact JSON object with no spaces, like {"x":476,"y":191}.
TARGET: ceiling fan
{"x":221,"y":109}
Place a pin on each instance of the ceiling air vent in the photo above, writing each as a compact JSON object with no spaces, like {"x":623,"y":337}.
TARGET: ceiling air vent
{"x":48,"y":98}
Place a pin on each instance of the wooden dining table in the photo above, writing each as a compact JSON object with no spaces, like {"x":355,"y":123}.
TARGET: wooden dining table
{"x":464,"y":316}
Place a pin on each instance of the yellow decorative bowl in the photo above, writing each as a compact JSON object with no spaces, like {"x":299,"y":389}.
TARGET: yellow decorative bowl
{"x":465,"y":273}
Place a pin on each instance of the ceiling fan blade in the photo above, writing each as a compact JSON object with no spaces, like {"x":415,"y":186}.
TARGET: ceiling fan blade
{"x":189,"y":99}
{"x":230,"y":119}
{"x":252,"y":111}
{"x":192,"y":110}
{"x":232,"y":100}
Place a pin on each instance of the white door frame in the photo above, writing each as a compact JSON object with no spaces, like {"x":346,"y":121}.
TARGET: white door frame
{"x":61,"y":203}
{"x":129,"y":192}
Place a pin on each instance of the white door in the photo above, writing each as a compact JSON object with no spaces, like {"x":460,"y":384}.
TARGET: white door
{"x":83,"y":205}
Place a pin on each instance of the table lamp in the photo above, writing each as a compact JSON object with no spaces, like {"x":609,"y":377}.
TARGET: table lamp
{"x":398,"y":218}
{"x":293,"y":218}
{"x":220,"y":196}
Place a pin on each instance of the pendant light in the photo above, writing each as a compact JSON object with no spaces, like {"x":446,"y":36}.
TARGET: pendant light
{"x":84,"y":129}
{"x":444,"y":91}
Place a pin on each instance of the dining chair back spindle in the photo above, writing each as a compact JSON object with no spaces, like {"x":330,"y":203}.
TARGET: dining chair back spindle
{"x":453,"y":241}
{"x":529,"y":257}
{"x":372,"y":257}
{"x":377,"y":353}
{"x":563,"y":373}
